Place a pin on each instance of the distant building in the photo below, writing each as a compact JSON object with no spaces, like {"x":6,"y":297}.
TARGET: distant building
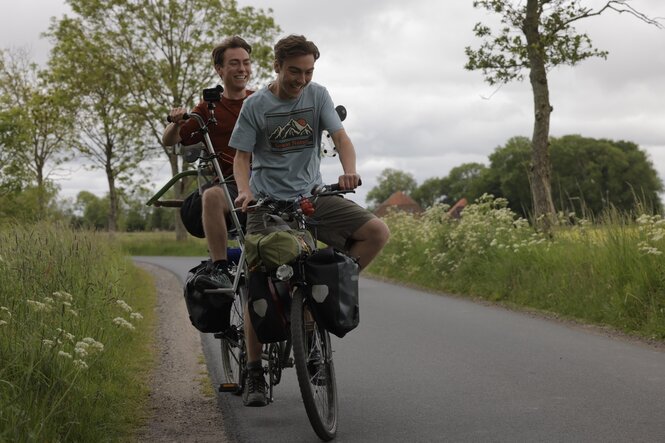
{"x":456,"y":210}
{"x":399,"y":201}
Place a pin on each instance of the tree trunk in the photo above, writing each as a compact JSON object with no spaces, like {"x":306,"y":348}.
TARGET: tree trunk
{"x":540,"y":171}
{"x":113,"y":200}
{"x":179,"y":188}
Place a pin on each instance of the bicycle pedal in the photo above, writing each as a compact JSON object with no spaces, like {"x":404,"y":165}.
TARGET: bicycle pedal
{"x":228,"y":387}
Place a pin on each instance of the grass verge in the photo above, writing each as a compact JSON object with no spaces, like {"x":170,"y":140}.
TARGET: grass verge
{"x":609,"y":273}
{"x":76,"y":328}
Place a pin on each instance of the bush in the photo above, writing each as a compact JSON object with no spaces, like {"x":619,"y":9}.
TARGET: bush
{"x":611,"y":272}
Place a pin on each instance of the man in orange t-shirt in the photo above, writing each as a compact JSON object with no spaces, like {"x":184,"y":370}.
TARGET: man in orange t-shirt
{"x":208,"y":215}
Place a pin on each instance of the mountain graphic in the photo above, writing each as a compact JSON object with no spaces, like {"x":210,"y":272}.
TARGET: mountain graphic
{"x":294,"y":128}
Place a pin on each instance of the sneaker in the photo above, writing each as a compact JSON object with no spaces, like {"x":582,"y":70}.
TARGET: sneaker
{"x":216,"y":278}
{"x":255,"y":389}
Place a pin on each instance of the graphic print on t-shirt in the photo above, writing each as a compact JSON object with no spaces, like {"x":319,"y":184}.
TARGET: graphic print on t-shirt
{"x":290,"y":132}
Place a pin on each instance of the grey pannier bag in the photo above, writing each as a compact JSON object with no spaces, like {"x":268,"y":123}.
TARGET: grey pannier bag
{"x":332,"y":279}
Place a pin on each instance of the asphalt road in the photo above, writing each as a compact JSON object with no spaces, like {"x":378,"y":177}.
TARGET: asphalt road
{"x":423,"y":368}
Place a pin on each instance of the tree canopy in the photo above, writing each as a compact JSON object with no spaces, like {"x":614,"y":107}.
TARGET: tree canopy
{"x":536,"y":36}
{"x":131,"y":61}
{"x":588,"y":176}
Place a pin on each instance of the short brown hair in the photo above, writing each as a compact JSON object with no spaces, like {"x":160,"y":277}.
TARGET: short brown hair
{"x":228,"y":43}
{"x":293,"y":46}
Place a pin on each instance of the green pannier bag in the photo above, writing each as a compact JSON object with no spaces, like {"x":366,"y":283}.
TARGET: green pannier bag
{"x":277,"y":248}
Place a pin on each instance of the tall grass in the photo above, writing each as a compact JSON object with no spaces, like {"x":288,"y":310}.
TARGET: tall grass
{"x":75,"y":322}
{"x":608,"y":272}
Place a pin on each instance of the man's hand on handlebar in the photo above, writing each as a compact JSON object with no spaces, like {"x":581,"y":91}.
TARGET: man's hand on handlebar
{"x":178,"y":116}
{"x":243,"y":199}
{"x":349,"y":181}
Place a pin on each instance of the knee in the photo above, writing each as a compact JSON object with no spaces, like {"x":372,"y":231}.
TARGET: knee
{"x":378,"y":232}
{"x":213,"y":197}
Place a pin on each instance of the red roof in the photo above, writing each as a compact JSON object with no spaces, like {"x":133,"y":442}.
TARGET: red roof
{"x":398,"y":201}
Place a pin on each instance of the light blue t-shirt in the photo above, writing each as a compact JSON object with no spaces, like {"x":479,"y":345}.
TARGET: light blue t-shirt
{"x":284,"y":137}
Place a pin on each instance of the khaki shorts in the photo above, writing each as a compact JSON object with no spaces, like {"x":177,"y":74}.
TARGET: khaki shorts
{"x":334,"y":221}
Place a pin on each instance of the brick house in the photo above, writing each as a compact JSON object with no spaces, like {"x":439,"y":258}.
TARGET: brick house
{"x":398,"y":201}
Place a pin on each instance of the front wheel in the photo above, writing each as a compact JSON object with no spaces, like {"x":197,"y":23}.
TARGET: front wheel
{"x":312,"y":353}
{"x":234,"y":357}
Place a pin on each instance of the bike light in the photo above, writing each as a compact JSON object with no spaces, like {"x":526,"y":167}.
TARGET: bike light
{"x":284,"y":272}
{"x":306,"y":206}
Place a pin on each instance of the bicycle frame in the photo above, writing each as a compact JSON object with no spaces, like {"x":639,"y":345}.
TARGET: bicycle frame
{"x":210,"y":157}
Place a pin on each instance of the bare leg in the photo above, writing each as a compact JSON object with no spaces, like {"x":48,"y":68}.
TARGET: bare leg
{"x":214,"y":222}
{"x":368,"y":241}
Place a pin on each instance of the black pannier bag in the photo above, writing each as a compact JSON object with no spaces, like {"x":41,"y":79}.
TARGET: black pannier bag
{"x":269,"y":307}
{"x":207,"y":312}
{"x":332,"y":279}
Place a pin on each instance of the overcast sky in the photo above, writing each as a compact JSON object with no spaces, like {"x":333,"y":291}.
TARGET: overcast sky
{"x":398,"y":67}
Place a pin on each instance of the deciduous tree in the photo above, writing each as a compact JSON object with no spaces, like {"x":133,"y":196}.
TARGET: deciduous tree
{"x":166,"y":46}
{"x":37,"y":117}
{"x":534,"y":36}
{"x":111,"y":134}
{"x":588,"y":176}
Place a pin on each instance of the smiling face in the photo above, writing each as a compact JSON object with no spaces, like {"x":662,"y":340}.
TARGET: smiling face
{"x":293,"y":75}
{"x":236,"y":69}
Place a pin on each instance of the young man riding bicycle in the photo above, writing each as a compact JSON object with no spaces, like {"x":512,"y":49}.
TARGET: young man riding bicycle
{"x":279,"y":130}
{"x":209,"y":215}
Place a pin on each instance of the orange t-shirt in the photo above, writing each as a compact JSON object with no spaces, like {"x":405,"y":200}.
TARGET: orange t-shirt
{"x":226,"y":113}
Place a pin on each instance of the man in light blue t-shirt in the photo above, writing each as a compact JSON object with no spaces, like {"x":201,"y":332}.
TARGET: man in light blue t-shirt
{"x":279,"y":130}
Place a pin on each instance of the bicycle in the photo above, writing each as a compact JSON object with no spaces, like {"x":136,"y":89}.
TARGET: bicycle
{"x":308,"y":346}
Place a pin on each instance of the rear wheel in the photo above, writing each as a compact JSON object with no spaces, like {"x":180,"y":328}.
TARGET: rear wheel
{"x":234,"y":357}
{"x":312,"y":353}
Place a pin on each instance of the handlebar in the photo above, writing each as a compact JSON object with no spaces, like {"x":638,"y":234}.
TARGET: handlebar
{"x":317,"y":191}
{"x":185,"y":116}
{"x":332,"y":188}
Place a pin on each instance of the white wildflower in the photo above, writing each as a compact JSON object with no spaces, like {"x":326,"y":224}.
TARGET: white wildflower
{"x":98,"y":346}
{"x":65,"y":296}
{"x":123,"y":323}
{"x":66,"y":334}
{"x":651,"y":251}
{"x":38,"y":306}
{"x":81,"y":352}
{"x":73,"y":312}
{"x":3,"y":322}
{"x":135,"y":316}
{"x":48,"y":343}
{"x":49,"y":300}
{"x":64,"y":354}
{"x":124,"y":305}
{"x":657,"y":236}
{"x":80,"y":364}
{"x":6,"y":311}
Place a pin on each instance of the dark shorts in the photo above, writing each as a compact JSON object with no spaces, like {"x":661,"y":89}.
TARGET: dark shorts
{"x":335,"y":220}
{"x":192,"y":209}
